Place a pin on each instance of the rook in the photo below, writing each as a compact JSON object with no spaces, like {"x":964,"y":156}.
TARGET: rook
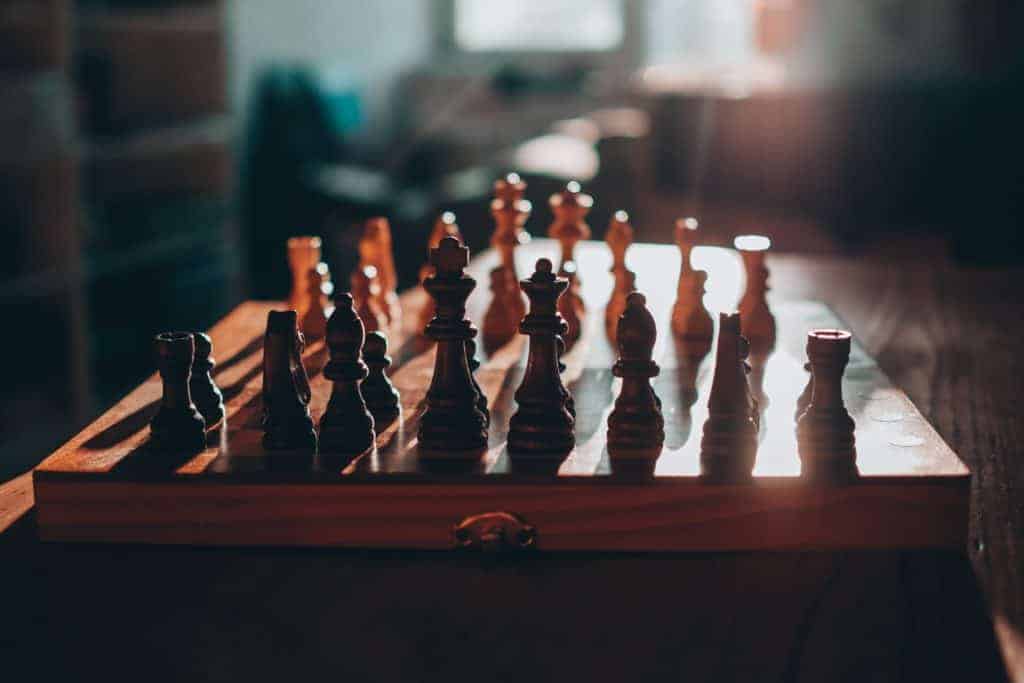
{"x":825,"y":431}
{"x":178,"y":426}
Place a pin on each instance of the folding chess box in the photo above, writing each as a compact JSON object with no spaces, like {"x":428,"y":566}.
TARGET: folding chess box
{"x":104,"y":485}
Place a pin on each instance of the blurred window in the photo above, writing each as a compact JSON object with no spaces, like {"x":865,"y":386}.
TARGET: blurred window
{"x":542,"y":26}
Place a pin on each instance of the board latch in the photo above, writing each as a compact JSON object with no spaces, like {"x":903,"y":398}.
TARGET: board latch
{"x":494,"y":532}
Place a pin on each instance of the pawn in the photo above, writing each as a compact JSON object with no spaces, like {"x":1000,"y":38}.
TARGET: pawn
{"x":729,"y":444}
{"x":444,"y":226}
{"x":758,"y":321}
{"x":379,"y":393}
{"x":286,"y":394}
{"x":625,"y":284}
{"x":346,"y":427}
{"x":364,"y":286}
{"x":619,"y":238}
{"x":825,"y":431}
{"x":505,"y":311}
{"x":178,"y":425}
{"x":690,"y":319}
{"x":570,"y":305}
{"x":474,"y":365}
{"x":570,"y":207}
{"x":543,"y":425}
{"x":636,"y":427}
{"x":205,"y":392}
{"x":313,"y":321}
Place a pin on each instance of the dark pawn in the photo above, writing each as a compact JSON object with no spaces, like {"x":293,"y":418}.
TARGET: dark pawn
{"x":825,"y":431}
{"x":543,"y":424}
{"x":636,"y":424}
{"x":286,"y":421}
{"x":729,"y":444}
{"x":474,"y":365}
{"x":452,"y":424}
{"x":205,"y":393}
{"x":347,"y":426}
{"x":178,"y":425}
{"x":380,"y":395}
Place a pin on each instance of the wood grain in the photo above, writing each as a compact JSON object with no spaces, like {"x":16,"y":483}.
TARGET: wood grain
{"x":104,"y":485}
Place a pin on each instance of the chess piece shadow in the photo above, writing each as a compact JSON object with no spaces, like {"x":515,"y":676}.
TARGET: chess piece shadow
{"x":591,"y":393}
{"x":681,"y":389}
{"x":148,"y":460}
{"x":124,"y":428}
{"x":239,"y":356}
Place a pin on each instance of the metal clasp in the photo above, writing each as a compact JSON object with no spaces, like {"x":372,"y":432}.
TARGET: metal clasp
{"x":494,"y":532}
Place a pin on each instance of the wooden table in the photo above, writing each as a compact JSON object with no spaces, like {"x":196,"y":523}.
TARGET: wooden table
{"x":942,"y":334}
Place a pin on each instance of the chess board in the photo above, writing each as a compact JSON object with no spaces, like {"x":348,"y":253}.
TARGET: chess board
{"x":105,"y":485}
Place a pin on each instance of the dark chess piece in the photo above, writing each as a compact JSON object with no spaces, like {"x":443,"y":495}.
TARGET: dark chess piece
{"x":379,"y":393}
{"x":178,"y":426}
{"x":570,"y":402}
{"x":452,"y":424}
{"x":636,"y":427}
{"x":825,"y":431}
{"x":474,"y":365}
{"x":346,"y":426}
{"x":205,"y":393}
{"x":286,"y":395}
{"x":543,"y":424}
{"x":729,"y":444}
{"x":570,"y":305}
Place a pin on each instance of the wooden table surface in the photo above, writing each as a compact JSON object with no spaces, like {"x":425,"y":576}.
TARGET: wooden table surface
{"x":945,"y":335}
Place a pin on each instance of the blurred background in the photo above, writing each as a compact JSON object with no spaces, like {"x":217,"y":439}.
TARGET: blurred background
{"x":155,"y":154}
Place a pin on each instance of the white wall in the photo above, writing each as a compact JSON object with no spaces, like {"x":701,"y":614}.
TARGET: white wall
{"x":373,"y":42}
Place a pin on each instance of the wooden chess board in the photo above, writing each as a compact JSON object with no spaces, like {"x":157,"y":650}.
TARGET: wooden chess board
{"x":104,"y":485}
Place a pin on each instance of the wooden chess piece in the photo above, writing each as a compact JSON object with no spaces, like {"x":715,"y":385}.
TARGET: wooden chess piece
{"x":205,"y":392}
{"x":636,"y":428}
{"x":505,"y":311}
{"x":729,"y":444}
{"x":825,"y":431}
{"x":364,"y":287}
{"x":381,"y":397}
{"x":570,"y":402}
{"x":452,"y":424}
{"x":510,"y":212}
{"x":178,"y":425}
{"x":804,"y":399}
{"x":286,"y":394}
{"x":474,"y":365}
{"x":507,"y":307}
{"x":444,"y":226}
{"x":346,"y":426}
{"x":758,"y":321}
{"x":543,"y":425}
{"x":570,"y":207}
{"x":570,"y":306}
{"x":375,"y":249}
{"x":311,"y":285}
{"x":619,"y":237}
{"x":690,"y":319}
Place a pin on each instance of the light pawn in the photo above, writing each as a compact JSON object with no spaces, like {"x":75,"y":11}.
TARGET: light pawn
{"x":758,"y":321}
{"x":690,"y":319}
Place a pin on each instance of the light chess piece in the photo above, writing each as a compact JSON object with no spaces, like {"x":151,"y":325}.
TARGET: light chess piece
{"x":178,"y":426}
{"x":381,"y":397}
{"x":205,"y":392}
{"x":286,"y":394}
{"x":825,"y":431}
{"x":444,"y":226}
{"x":570,"y":207}
{"x":619,"y":237}
{"x":758,"y":321}
{"x":346,"y":427}
{"x":543,"y":425}
{"x":452,"y":424}
{"x":376,"y":249}
{"x":311,"y":284}
{"x":570,"y":305}
{"x":507,"y":307}
{"x":690,"y":319}
{"x":636,"y":428}
{"x":365,"y":290}
{"x":729,"y":443}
